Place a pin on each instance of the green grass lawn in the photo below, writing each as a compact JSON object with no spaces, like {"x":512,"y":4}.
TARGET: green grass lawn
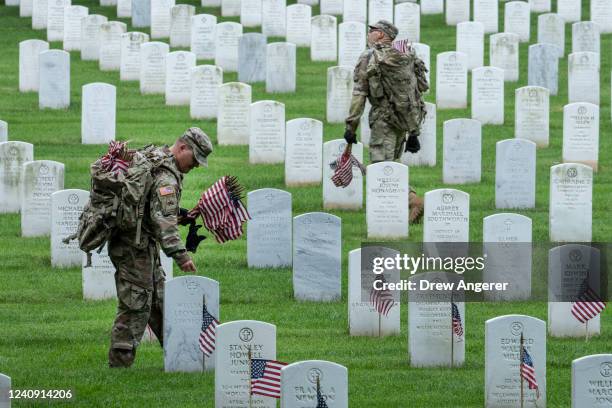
{"x":51,"y":339}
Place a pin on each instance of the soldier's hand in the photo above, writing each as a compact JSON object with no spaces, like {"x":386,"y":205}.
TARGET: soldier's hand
{"x":193,"y":239}
{"x":188,"y":266}
{"x":412,"y":144}
{"x":183,"y":217}
{"x":350,"y":137}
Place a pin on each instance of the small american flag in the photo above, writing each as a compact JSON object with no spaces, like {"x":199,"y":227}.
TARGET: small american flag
{"x":117,"y":159}
{"x":343,"y":168}
{"x":381,"y":299}
{"x":588,"y":305}
{"x":527,"y":370}
{"x":265,"y":377}
{"x":402,"y":46}
{"x":320,"y":399}
{"x":221,"y":210}
{"x":208,"y":332}
{"x":457,"y":326}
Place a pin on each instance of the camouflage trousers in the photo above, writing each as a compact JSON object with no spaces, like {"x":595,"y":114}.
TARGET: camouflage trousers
{"x":138,"y":304}
{"x":386,"y":143}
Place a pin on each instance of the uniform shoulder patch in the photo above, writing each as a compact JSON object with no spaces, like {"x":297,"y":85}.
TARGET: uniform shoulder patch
{"x":166,"y":190}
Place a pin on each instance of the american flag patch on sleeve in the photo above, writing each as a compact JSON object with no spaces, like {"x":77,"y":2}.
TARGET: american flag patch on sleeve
{"x":166,"y":190}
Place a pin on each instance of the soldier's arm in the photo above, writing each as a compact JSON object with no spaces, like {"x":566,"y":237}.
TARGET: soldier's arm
{"x":164,"y":215}
{"x":360,"y":92}
{"x":356,"y":110}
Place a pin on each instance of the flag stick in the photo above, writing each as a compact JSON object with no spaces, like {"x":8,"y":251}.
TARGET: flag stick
{"x":586,"y":327}
{"x":203,"y":355}
{"x":250,"y":380}
{"x":379,"y":324}
{"x":520,"y":363}
{"x":452,"y":334}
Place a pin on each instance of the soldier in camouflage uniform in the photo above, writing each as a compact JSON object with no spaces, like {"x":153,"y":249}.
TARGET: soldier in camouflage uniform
{"x":139,"y":277}
{"x":386,"y":141}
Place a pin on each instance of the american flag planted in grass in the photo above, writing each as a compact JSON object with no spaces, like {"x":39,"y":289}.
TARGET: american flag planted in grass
{"x":343,"y":168}
{"x":221,"y":209}
{"x":118,"y":158}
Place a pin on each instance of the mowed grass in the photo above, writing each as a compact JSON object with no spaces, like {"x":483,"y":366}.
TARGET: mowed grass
{"x":51,"y":339}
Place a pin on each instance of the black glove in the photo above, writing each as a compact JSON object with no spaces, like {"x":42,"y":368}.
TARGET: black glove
{"x":412,"y":143}
{"x":193,"y":239}
{"x":350,"y":137}
{"x":183,"y":219}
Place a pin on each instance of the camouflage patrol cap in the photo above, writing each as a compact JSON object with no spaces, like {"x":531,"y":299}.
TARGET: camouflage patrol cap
{"x":386,"y":27}
{"x":200,"y":144}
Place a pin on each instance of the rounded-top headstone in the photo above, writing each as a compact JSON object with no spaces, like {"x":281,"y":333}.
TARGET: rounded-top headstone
{"x":591,"y":377}
{"x":299,"y":384}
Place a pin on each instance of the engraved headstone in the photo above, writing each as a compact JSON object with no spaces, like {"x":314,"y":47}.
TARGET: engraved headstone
{"x":28,"y":64}
{"x":298,"y":24}
{"x":98,"y":113}
{"x":551,"y":30}
{"x":66,"y":208}
{"x":110,"y":45}
{"x":267,"y":132}
{"x":98,"y":279}
{"x":203,"y":27}
{"x":161,"y":18}
{"x":451,"y":80}
{"x":334,"y":7}
{"x":531,"y":114}
{"x":457,"y":11}
{"x":250,"y":13}
{"x":40,"y":179}
{"x":339,"y":93}
{"x":590,"y":381}
{"x":516,"y":19}
{"x":12,"y":157}
{"x":227,"y":37}
{"x":583,"y":77}
{"x":3,"y":131}
{"x":55,"y":19}
{"x":462,"y":142}
{"x":205,"y":82}
{"x":503,"y":359}
{"x":355,"y":10}
{"x":387,"y":200}
{"x":233,"y":114}
{"x":252,"y":58}
{"x":432,"y":7}
{"x":581,"y":134}
{"x":72,"y":27}
{"x":571,"y":203}
{"x":124,"y":8}
{"x":39,"y":14}
{"x":269,"y":243}
{"x":141,"y":13}
{"x":178,"y":77}
{"x":539,"y":6}
{"x":470,"y":40}
{"x":488,"y":95}
{"x":273,"y":18}
{"x":601,"y":14}
{"x":408,"y":21}
{"x":507,"y":252}
{"x":90,"y":36}
{"x":5,"y":388}
{"x":515,"y":173}
{"x":379,"y":10}
{"x":153,"y":67}
{"x":280,"y":67}
{"x":324,"y":38}
{"x":347,"y":198}
{"x":447,"y":216}
{"x":299,"y":383}
{"x":504,"y":54}
{"x":129,"y":69}
{"x":543,"y":67}
{"x":303,"y":152}
{"x":485,"y":12}
{"x":230,"y":8}
{"x":184,"y":300}
{"x":180,"y":25}
{"x":351,"y":42}
{"x":317,"y":246}
{"x":54,"y":79}
{"x":570,"y":10}
{"x":585,"y":37}
{"x":25,"y":8}
{"x":427,"y":155}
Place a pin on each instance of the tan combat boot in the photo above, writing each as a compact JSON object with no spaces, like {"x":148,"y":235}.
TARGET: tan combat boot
{"x":415,"y":206}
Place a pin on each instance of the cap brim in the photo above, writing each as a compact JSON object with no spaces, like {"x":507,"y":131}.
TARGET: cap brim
{"x":202,"y":161}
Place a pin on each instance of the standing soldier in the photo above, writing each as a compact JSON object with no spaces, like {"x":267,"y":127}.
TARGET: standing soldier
{"x":393,"y":82}
{"x":139,"y":277}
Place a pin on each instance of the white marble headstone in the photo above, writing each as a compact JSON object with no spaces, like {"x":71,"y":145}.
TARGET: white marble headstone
{"x":590,"y":379}
{"x":470,"y":40}
{"x":516,"y":19}
{"x":110,"y":45}
{"x":203,"y":28}
{"x":5,"y":387}
{"x":462,"y":143}
{"x":581,"y":134}
{"x":423,"y":52}
{"x":54,"y":79}
{"x":317,"y":246}
{"x":153,"y":67}
{"x":40,"y":179}
{"x":347,"y":198}
{"x":486,"y":12}
{"x":55,"y":19}
{"x":66,"y":208}
{"x":355,"y":10}
{"x":571,"y":203}
{"x":601,"y":14}
{"x":178,"y":77}
{"x":39,"y":14}
{"x":324,"y":38}
{"x":184,"y":300}
{"x":387,"y":191}
{"x":72,"y":27}
{"x":205,"y":82}
{"x":252,"y":50}
{"x":124,"y":8}
{"x":408,"y":21}
{"x":12,"y":157}
{"x":379,"y":10}
{"x":351,"y":42}
{"x":28,"y":64}
{"x":432,"y":7}
{"x":488,"y":95}
{"x":299,"y":383}
{"x":457,"y":11}
{"x":427,"y":155}
{"x":267,"y":132}
{"x":531,"y":114}
{"x":303,"y":152}
{"x":334,"y":7}
{"x":161,"y":18}
{"x":451,"y":80}
{"x":269,"y":243}
{"x":586,"y":37}
{"x":3,"y":131}
{"x":141,"y":13}
{"x":230,"y":8}
{"x":98,"y":279}
{"x":130,"y":55}
{"x":543,"y":69}
{"x":233,"y":114}
{"x":539,"y":6}
{"x":25,"y":8}
{"x":227,"y":36}
{"x":90,"y":36}
{"x":250,"y":13}
{"x":339,"y":93}
{"x":551,"y":30}
{"x":570,"y":10}
{"x":273,"y":18}
{"x":298,"y":24}
{"x":515,"y":173}
{"x":504,"y":54}
{"x":281,"y":67}
{"x":583,"y":77}
{"x":447,"y":216}
{"x":180,"y":25}
{"x":98,"y":113}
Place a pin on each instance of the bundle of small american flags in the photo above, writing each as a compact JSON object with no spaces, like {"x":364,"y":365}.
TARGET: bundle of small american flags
{"x":221,"y":209}
{"x":382,"y":299}
{"x":343,"y":168}
{"x":265,"y":377}
{"x":402,"y":46}
{"x":118,"y":158}
{"x":208,"y":332}
{"x":528,"y":370}
{"x":588,"y":304}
